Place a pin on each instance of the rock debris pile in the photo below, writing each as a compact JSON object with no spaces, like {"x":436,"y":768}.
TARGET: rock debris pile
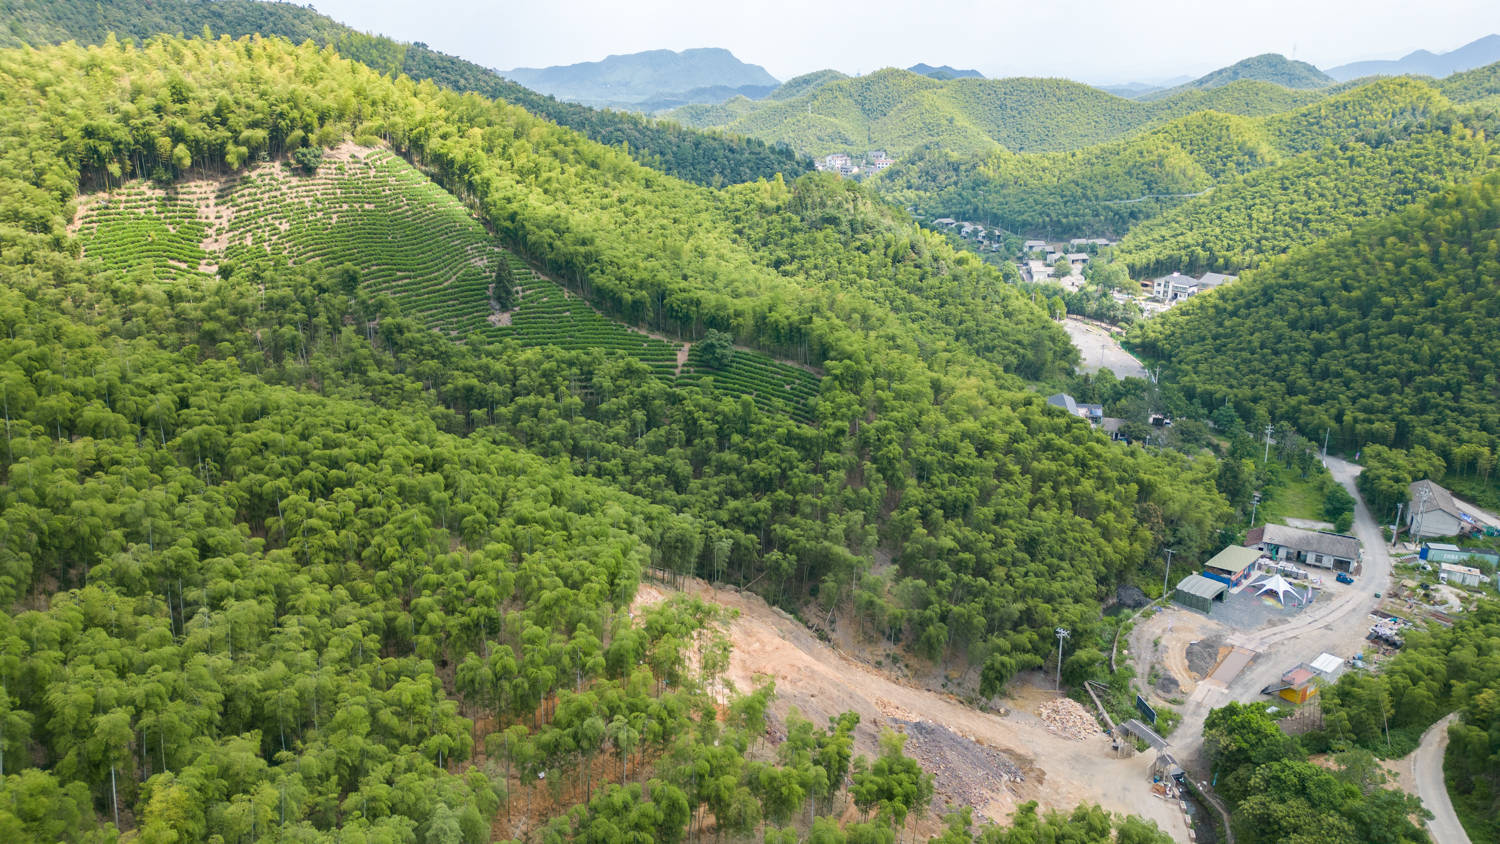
{"x":1066,"y":718}
{"x":965,"y":772}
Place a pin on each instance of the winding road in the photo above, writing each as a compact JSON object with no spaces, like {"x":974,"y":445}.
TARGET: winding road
{"x":1427,"y":766}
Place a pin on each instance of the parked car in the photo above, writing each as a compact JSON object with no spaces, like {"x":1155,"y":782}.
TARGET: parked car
{"x":1343,"y":577}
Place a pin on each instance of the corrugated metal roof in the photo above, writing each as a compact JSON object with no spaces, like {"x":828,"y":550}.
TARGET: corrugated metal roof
{"x":1234,"y":558}
{"x":1203,"y":587}
{"x":1327,"y":663}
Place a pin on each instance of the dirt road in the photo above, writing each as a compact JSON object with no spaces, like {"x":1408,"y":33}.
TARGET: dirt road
{"x":1098,"y":349}
{"x":1337,"y":625}
{"x":968,"y":750}
{"x":1427,"y":766}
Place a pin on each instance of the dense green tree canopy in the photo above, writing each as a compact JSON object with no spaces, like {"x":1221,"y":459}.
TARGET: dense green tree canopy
{"x":281,"y":560}
{"x":702,"y":157}
{"x":1384,"y":336}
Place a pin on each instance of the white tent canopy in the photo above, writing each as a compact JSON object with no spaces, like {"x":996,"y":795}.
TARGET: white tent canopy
{"x":1278,"y":584}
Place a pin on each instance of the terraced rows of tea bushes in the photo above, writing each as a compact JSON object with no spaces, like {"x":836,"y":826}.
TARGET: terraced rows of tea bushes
{"x":546,"y":314}
{"x":136,"y":226}
{"x":409,"y":239}
{"x":776,"y":387}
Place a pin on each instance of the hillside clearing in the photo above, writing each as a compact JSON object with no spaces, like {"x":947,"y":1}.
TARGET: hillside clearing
{"x":948,"y":737}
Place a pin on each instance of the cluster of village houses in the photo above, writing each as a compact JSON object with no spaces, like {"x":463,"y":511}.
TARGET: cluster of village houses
{"x":843,"y":164}
{"x":1166,"y":290}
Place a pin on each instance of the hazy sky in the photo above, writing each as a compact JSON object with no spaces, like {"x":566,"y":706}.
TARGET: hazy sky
{"x":1089,"y":40}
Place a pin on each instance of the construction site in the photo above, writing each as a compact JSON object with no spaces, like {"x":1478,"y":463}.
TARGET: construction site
{"x":1037,"y":745}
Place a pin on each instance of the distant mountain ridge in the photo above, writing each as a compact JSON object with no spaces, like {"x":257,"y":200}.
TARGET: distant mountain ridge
{"x":944,"y":72}
{"x":1477,"y":53}
{"x":1267,"y":67}
{"x":653,"y":75}
{"x":899,"y":111}
{"x":709,"y":95}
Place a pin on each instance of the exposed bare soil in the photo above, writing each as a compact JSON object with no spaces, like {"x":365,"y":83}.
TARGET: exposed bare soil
{"x":988,"y":761}
{"x":1168,"y":639}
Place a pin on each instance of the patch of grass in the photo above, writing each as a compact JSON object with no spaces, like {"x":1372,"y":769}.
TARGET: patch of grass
{"x":1291,"y":496}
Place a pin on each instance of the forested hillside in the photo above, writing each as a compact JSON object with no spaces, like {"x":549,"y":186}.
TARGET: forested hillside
{"x":1324,"y":193}
{"x":708,"y":159}
{"x":1383,"y":336}
{"x":900,"y":111}
{"x":1102,"y":189}
{"x":1216,"y":192}
{"x":280,"y":560}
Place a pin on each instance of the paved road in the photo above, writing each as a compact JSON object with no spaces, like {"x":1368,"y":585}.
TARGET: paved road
{"x":1427,"y":766}
{"x":1336,"y":624}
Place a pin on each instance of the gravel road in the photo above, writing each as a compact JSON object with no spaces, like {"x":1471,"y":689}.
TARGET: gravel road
{"x":1427,"y":766}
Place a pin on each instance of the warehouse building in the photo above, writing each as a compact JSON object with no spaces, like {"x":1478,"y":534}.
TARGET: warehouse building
{"x":1198,"y":592}
{"x":1442,"y":552}
{"x":1461,"y":575}
{"x":1433,"y":513}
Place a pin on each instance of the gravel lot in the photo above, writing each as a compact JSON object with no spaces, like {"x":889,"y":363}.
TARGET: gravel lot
{"x":1098,"y":349}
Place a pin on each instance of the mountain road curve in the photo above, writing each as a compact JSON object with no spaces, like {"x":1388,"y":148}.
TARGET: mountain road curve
{"x":1427,"y":766}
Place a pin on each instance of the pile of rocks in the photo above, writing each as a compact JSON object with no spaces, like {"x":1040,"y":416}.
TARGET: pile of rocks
{"x":1066,"y":718}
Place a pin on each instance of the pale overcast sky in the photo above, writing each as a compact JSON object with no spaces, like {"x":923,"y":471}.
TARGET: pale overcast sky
{"x":1098,"y":41}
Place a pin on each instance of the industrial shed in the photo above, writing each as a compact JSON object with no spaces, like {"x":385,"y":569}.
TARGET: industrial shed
{"x":1199,"y":592}
{"x":1232,"y":566}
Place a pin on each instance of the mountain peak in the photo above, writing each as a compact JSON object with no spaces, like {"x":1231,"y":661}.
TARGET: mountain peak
{"x":629,"y":79}
{"x":1266,"y":67}
{"x":944,"y":72}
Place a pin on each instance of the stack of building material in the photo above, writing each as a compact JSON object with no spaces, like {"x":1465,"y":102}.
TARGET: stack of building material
{"x":1066,"y":718}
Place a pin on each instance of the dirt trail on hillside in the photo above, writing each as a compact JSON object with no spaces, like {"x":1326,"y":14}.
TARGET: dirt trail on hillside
{"x":991,"y":762}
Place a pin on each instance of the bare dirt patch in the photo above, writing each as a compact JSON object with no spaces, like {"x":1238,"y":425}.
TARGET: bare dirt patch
{"x":1163,"y":639}
{"x":1204,"y":655}
{"x":973,"y":754}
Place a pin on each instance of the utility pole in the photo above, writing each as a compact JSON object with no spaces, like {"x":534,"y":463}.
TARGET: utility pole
{"x":1254,"y":505}
{"x":1396,"y":528}
{"x":1062,"y":633}
{"x":1418,"y":512}
{"x":1269,"y":428}
{"x":1325,"y":445}
{"x":1165,"y":578}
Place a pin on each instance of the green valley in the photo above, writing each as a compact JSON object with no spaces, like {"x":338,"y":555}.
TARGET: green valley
{"x":395,"y":455}
{"x":384,"y":545}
